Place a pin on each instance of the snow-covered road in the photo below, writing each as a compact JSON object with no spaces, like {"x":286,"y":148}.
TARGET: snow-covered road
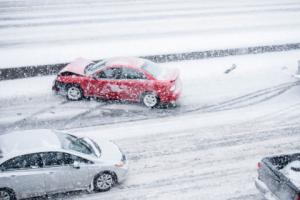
{"x":207,"y":148}
{"x":44,"y":32}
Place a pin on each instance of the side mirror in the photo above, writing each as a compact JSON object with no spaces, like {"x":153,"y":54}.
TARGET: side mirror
{"x":76,"y":165}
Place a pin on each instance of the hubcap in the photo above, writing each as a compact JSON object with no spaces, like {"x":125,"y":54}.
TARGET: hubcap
{"x":150,"y":100}
{"x":4,"y":195}
{"x":104,"y":181}
{"x":74,"y":93}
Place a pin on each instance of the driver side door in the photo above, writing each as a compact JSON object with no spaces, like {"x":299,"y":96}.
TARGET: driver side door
{"x":105,"y":83}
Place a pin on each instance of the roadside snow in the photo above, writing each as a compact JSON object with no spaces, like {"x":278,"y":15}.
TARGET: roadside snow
{"x":45,"y":32}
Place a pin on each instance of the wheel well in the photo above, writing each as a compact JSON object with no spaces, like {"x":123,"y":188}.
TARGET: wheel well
{"x":114,"y":175}
{"x":73,"y":84}
{"x":11,"y":191}
{"x":147,"y":92}
{"x":68,"y":85}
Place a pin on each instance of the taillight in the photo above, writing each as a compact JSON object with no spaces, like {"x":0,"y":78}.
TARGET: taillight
{"x":259,"y":166}
{"x":173,"y":87}
{"x":297,"y":197}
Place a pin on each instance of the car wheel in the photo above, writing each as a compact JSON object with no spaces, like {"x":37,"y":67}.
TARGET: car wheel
{"x":74,"y":93}
{"x":103,"y":182}
{"x":150,"y":100}
{"x":6,"y":195}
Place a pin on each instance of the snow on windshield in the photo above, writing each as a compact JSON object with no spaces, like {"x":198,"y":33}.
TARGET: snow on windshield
{"x":70,"y":142}
{"x":153,"y":68}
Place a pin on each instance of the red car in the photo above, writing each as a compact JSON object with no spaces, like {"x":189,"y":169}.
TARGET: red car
{"x":128,"y":79}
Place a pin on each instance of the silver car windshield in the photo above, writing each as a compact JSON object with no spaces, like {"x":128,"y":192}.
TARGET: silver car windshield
{"x":94,"y":67}
{"x":70,"y":142}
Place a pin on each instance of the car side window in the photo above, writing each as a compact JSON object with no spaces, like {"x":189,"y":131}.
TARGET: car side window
{"x":56,"y":159}
{"x":111,"y":73}
{"x":53,"y":159}
{"x":69,"y":159}
{"x":128,"y":73}
{"x":29,"y":161}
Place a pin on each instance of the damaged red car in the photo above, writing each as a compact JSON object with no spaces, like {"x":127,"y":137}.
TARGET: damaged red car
{"x":125,"y":79}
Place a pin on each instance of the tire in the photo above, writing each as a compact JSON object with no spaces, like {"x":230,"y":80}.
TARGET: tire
{"x":150,"y":99}
{"x":74,"y":93}
{"x":6,"y":195}
{"x":103,"y":182}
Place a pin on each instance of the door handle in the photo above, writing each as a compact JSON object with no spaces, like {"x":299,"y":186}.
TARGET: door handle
{"x":50,"y":172}
{"x":12,"y":176}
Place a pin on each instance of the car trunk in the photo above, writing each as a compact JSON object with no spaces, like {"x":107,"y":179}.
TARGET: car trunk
{"x":270,"y":173}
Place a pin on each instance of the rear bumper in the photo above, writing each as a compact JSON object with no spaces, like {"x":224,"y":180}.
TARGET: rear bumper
{"x":170,"y":98}
{"x":264,"y":190}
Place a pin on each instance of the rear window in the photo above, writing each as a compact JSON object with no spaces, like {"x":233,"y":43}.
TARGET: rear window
{"x":153,"y":68}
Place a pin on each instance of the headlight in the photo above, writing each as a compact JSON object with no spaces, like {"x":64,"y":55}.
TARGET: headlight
{"x":120,"y":164}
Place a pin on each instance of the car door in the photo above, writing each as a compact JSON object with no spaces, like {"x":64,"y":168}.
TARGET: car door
{"x":58,"y":177}
{"x":25,"y":175}
{"x":80,"y":171}
{"x":133,"y":82}
{"x":104,"y":83}
{"x":61,"y":174}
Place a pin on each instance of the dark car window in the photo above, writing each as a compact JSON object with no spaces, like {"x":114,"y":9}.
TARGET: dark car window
{"x":52,"y":159}
{"x":128,"y":73}
{"x":69,"y":159}
{"x":111,"y":73}
{"x":29,"y":161}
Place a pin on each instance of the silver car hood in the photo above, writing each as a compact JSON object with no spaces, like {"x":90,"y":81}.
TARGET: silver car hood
{"x":109,"y":151}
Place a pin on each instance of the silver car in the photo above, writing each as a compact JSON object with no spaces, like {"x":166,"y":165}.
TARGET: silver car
{"x":40,"y":162}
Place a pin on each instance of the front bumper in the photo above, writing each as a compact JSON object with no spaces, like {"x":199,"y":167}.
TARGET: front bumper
{"x":59,"y":88}
{"x":122,"y":172}
{"x":264,"y":190}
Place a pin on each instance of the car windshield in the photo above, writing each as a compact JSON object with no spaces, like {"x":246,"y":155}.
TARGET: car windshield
{"x":152,"y":68}
{"x":94,"y":67}
{"x":70,"y":142}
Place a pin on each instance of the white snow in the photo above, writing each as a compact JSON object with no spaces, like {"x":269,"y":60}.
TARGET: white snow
{"x":210,"y":153}
{"x":293,"y":175}
{"x":208,"y":147}
{"x":44,"y":32}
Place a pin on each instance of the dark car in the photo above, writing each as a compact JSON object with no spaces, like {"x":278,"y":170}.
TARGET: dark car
{"x":279,"y":177}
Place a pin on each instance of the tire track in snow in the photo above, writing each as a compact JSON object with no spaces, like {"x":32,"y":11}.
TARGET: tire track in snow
{"x":102,"y":115}
{"x":146,"y":10}
{"x":167,"y":16}
{"x":235,"y":103}
{"x":194,"y":143}
{"x":22,"y":122}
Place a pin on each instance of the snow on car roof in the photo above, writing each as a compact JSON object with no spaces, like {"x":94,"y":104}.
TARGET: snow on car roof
{"x":20,"y":142}
{"x":127,"y":61}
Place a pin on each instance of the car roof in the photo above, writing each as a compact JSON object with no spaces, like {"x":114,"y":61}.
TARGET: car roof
{"x":125,"y":61}
{"x":29,"y":141}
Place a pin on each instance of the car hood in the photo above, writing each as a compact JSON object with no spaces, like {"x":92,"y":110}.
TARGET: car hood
{"x":77,"y":66}
{"x":109,"y":151}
